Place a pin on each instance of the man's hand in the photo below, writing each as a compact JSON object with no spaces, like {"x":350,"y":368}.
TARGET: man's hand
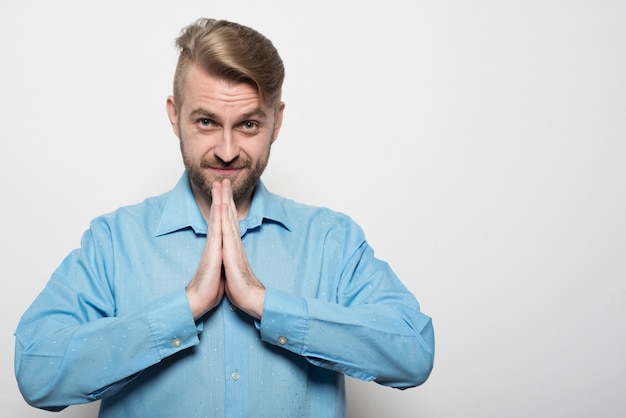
{"x":242,"y":287}
{"x":224,"y":265}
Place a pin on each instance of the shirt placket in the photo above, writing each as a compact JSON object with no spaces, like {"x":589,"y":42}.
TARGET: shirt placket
{"x":235,"y":371}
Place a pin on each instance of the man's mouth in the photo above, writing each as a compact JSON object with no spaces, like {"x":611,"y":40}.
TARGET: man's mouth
{"x":225,"y":171}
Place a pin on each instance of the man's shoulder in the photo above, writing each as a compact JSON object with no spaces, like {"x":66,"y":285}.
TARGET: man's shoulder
{"x":299,"y":212}
{"x":144,"y":211}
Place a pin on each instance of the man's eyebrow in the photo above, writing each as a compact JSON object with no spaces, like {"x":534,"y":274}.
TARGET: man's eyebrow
{"x":258,"y":112}
{"x":202,"y":113}
{"x":196,"y":113}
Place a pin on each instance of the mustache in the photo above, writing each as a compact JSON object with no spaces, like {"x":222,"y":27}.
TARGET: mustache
{"x":215,"y":163}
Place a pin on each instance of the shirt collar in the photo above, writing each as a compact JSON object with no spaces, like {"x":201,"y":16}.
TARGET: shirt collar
{"x":266,"y":206}
{"x":181,"y":210}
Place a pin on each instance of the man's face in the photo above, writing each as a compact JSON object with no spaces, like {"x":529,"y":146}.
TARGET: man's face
{"x":224,"y":132}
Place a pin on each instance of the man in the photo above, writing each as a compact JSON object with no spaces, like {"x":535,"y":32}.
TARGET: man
{"x":220,"y":298}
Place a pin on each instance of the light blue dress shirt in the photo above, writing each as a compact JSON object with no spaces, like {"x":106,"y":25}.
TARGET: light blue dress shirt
{"x":113,"y":322}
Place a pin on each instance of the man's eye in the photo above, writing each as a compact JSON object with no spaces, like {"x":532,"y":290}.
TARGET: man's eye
{"x":204,"y":122}
{"x":249,"y":125}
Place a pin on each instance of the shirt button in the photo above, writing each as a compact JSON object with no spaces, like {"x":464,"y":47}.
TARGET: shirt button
{"x":233,"y":307}
{"x":235,"y":376}
{"x":282,"y":340}
{"x":177,"y":342}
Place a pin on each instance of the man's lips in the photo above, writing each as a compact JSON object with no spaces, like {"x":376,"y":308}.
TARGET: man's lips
{"x":225,"y":171}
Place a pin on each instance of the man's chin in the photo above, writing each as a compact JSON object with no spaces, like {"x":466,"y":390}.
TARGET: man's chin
{"x":240,"y":189}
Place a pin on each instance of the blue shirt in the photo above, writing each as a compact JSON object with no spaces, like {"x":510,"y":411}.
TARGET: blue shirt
{"x":113,"y":322}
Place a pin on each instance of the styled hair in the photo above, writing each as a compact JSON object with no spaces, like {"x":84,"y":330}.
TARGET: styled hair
{"x":232,"y":52}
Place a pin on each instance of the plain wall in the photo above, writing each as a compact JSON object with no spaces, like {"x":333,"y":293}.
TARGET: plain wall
{"x":480,"y":144}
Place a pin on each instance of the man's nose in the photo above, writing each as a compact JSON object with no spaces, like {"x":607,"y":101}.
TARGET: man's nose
{"x":227,"y":148}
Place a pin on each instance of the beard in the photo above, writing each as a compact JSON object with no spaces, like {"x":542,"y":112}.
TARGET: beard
{"x":242,"y":184}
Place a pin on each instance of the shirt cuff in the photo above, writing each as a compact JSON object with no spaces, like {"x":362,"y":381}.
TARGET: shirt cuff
{"x":284,"y":320}
{"x":171,"y":324}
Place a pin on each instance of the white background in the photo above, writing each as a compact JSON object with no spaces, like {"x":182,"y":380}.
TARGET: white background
{"x":481,"y":145}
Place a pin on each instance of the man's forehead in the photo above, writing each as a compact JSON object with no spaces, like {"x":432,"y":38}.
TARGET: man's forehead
{"x":211,"y":94}
{"x":198,"y":77}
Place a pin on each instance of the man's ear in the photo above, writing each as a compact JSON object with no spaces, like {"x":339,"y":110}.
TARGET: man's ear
{"x":172,"y":114}
{"x":278,"y":120}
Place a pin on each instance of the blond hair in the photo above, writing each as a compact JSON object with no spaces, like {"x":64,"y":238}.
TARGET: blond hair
{"x":233,"y":52}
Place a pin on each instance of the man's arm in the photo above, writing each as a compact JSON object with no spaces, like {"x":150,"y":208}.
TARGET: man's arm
{"x":373,"y":330}
{"x":70,"y":346}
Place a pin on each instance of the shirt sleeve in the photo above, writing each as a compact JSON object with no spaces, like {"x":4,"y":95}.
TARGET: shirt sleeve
{"x":373,"y":330}
{"x":72,"y":348}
